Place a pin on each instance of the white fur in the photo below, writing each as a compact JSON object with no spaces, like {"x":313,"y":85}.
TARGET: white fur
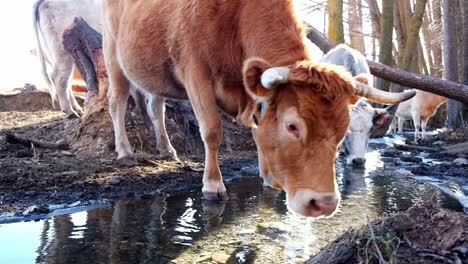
{"x":299,"y":202}
{"x":54,"y":17}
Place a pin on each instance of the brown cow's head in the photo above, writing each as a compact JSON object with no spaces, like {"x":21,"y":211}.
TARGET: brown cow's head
{"x":302,"y":117}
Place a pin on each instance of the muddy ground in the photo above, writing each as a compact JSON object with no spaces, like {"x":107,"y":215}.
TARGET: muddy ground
{"x":422,"y":234}
{"x":31,"y":175}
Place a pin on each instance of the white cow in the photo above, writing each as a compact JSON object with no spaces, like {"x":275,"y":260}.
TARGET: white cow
{"x":51,"y":18}
{"x":364,"y":117}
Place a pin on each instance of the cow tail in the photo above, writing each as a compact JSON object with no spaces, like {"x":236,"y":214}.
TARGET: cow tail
{"x":40,"y":51}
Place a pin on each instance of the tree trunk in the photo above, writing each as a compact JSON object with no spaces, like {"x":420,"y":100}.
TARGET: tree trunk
{"x":465,"y":51}
{"x":386,"y":42}
{"x":399,"y":27}
{"x":422,"y":65}
{"x":412,"y":22}
{"x":454,"y":108}
{"x":84,"y":44}
{"x":437,"y":36}
{"x":418,"y":81}
{"x":426,"y":33}
{"x":413,"y":27}
{"x":375,"y":17}
{"x":355,"y":25}
{"x":335,"y":21}
{"x":465,"y":41}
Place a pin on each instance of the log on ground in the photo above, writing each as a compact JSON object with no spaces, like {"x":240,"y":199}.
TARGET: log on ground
{"x":426,"y":83}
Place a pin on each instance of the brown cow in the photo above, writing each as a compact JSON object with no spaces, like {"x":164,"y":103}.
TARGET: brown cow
{"x":250,"y":59}
{"x":419,"y":109}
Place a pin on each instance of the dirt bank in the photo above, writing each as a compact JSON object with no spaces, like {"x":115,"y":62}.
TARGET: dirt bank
{"x":30,"y":175}
{"x":423,"y":234}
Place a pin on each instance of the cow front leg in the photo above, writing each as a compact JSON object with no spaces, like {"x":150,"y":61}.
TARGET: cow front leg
{"x":202,"y":97}
{"x":119,"y":91}
{"x":211,"y":131}
{"x":117,"y":108}
{"x":417,"y":125}
{"x":400,"y":125}
{"x":156,"y":110}
{"x":423,"y":127}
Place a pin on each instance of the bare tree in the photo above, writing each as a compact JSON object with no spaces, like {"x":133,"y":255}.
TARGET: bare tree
{"x":355,"y":25}
{"x":413,"y":27}
{"x":386,"y":41}
{"x":454,"y":108}
{"x":375,"y":16}
{"x":465,"y":50}
{"x":335,"y":21}
{"x":437,"y":37}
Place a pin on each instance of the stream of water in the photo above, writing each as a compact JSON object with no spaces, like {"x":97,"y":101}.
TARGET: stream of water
{"x":253,"y":225}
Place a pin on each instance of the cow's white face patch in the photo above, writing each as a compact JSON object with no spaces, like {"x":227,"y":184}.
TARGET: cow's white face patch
{"x":361,"y":124}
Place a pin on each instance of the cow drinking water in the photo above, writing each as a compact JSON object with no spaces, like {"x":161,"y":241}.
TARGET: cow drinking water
{"x":249,"y":59}
{"x":364,"y":117}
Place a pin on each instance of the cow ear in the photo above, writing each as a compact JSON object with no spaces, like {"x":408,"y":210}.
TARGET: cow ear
{"x":384,"y":116}
{"x":364,"y":78}
{"x":252,"y":73}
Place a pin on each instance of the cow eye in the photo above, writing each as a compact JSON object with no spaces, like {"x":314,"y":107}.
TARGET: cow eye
{"x":293,"y":129}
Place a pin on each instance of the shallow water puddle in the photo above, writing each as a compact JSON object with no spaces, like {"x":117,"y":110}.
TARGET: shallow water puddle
{"x":253,"y":224}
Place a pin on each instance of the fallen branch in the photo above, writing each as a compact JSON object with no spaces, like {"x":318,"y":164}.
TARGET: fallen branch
{"x":376,"y":247}
{"x":16,"y":139}
{"x":413,"y":147}
{"x":461,"y":148}
{"x":426,"y":83}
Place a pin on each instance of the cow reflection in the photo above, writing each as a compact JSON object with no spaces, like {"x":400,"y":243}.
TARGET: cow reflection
{"x":353,"y":181}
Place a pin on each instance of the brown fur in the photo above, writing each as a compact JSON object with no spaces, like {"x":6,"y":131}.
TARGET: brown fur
{"x":420,"y":109}
{"x":207,"y":50}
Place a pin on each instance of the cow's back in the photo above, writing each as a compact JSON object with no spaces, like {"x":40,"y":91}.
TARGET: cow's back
{"x":156,"y":39}
{"x":349,"y":58}
{"x":429,"y":103}
{"x":138,"y":32}
{"x":204,"y":29}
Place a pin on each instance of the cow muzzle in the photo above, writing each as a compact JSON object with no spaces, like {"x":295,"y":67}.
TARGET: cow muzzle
{"x":358,"y":162}
{"x":313,"y":204}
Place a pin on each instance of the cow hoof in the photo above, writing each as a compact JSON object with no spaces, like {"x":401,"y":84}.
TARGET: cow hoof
{"x":127,"y":161}
{"x":73,"y":116}
{"x":215,"y":196}
{"x":169,"y":157}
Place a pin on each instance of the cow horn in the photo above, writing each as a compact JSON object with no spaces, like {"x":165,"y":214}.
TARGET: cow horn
{"x":275,"y":76}
{"x":380,"y":96}
{"x":381,"y":111}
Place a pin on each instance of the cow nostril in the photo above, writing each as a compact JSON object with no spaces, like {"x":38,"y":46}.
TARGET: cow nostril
{"x":359,"y":161}
{"x":313,"y":205}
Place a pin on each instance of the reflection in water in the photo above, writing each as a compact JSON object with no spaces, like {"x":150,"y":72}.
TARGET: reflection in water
{"x":183,"y":227}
